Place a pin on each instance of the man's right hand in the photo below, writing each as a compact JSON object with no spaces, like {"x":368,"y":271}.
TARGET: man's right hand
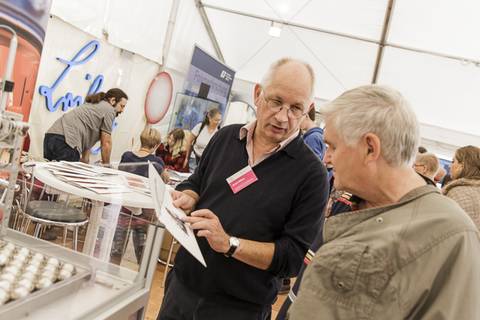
{"x":183,"y":201}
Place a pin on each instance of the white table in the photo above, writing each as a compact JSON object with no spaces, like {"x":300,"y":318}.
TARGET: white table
{"x":103,"y":219}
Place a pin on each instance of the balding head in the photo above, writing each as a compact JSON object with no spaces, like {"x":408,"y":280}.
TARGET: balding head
{"x":291,"y":67}
{"x":427,"y":164}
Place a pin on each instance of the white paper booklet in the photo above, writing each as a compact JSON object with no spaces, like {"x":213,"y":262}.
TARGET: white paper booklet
{"x":171,"y":216}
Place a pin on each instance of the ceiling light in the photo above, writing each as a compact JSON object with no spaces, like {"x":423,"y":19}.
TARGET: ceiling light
{"x":275,"y":29}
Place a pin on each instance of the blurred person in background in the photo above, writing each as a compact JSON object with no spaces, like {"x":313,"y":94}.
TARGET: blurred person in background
{"x":202,"y":133}
{"x":174,"y":151}
{"x":427,"y":165}
{"x":137,"y":219}
{"x":313,"y":135}
{"x":464,"y":187}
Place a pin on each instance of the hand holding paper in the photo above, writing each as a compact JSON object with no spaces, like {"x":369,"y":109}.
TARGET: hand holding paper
{"x":210,"y":227}
{"x":172,"y":217}
{"x":183,"y":201}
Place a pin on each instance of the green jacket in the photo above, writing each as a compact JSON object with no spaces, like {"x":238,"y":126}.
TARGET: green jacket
{"x":416,"y":259}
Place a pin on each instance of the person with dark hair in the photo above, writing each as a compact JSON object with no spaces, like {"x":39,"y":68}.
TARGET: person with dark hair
{"x":174,"y":151}
{"x":313,"y":135}
{"x":422,"y":149}
{"x":71,"y":136}
{"x":464,"y":187}
{"x":203,"y":132}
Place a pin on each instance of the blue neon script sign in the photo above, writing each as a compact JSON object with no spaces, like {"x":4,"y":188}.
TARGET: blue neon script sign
{"x":69,"y":100}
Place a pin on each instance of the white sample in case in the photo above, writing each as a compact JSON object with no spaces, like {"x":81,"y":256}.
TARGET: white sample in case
{"x":36,"y":263}
{"x":5,"y":285}
{"x":50,"y":267}
{"x":28,"y":275}
{"x":20,"y":257}
{"x":64,"y":274}
{"x":38,"y":257}
{"x":43,"y":283}
{"x":9,"y":246}
{"x":68,"y":267}
{"x":11,"y":269}
{"x":7,"y":277}
{"x":3,"y":258}
{"x":26,"y":284}
{"x":53,"y":261}
{"x":4,"y":296}
{"x":49,"y":274}
{"x":19,"y":292}
{"x":23,"y":252}
{"x":31,"y":268}
{"x":16,"y":263}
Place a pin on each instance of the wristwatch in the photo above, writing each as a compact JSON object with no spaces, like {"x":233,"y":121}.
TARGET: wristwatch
{"x":234,"y":243}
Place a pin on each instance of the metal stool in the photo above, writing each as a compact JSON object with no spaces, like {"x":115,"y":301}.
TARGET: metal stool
{"x":56,"y":214}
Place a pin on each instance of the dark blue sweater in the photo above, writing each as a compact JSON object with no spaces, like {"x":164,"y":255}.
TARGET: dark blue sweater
{"x":314,"y":139}
{"x":284,"y":206}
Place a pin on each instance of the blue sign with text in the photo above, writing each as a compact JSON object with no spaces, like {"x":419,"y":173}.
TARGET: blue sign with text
{"x":69,"y":100}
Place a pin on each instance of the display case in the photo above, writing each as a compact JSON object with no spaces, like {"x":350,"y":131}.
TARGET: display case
{"x":95,"y":290}
{"x":46,"y":280}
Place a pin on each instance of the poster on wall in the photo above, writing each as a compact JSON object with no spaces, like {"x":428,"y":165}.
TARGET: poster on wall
{"x":189,"y":110}
{"x":28,"y":18}
{"x":209,"y":79}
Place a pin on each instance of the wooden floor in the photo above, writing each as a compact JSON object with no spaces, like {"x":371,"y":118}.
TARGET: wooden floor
{"x":156,"y":296}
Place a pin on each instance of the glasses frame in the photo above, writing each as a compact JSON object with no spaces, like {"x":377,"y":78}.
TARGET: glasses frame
{"x":268,"y":101}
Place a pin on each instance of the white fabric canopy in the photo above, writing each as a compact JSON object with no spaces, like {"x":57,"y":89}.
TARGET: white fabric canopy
{"x":430,"y":54}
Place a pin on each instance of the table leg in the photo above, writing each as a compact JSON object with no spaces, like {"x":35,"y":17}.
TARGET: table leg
{"x":101,"y":230}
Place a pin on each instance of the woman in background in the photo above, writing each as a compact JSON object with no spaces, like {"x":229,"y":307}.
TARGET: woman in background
{"x":203,"y":132}
{"x":465,"y":185}
{"x":174,"y":152}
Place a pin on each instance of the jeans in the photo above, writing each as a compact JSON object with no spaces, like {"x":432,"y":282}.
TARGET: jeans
{"x":55,"y":148}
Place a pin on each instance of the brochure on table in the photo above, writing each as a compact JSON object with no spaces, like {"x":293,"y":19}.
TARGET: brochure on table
{"x":171,"y":216}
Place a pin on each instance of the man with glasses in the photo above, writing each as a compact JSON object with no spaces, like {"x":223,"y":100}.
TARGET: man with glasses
{"x":427,"y":165}
{"x":257,"y":198}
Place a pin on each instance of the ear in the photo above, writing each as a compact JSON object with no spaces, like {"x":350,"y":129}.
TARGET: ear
{"x":112,"y":101}
{"x":256,"y":94}
{"x":373,"y":148}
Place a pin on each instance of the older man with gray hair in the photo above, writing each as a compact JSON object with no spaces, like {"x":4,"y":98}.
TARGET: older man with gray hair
{"x":427,"y":165}
{"x":408,"y":252}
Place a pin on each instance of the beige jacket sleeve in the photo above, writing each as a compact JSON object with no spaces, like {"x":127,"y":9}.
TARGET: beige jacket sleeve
{"x":352,"y":281}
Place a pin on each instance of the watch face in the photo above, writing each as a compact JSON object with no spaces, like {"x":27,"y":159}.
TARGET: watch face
{"x":234,"y":241}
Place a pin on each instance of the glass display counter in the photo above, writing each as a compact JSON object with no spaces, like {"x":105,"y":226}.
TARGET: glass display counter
{"x":66,"y":284}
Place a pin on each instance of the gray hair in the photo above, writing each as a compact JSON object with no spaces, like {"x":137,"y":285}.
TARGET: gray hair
{"x":430,"y":161}
{"x":379,"y":110}
{"x":267,"y":78}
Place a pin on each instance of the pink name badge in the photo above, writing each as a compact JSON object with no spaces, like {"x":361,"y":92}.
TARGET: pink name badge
{"x":242,"y":179}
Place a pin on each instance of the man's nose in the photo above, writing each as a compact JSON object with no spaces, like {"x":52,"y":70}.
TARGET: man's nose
{"x":282,"y":114}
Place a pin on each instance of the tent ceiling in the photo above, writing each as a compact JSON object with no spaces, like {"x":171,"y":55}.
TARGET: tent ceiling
{"x":429,"y":54}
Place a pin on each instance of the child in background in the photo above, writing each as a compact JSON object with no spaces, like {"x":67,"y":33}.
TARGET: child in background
{"x":137,"y":163}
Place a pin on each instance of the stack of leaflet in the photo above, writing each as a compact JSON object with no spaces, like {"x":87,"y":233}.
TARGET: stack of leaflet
{"x":96,"y":179}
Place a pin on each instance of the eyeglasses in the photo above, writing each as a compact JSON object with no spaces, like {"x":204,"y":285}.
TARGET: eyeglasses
{"x":276,"y":105}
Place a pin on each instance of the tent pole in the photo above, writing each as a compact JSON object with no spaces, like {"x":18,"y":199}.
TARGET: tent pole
{"x":169,"y":33}
{"x":345,"y":35}
{"x":383,"y":39}
{"x":210,"y":32}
